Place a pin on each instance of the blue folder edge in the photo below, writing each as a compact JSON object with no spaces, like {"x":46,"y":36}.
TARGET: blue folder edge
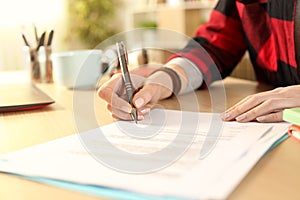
{"x":284,"y":137}
{"x":95,"y":190}
{"x":106,"y":192}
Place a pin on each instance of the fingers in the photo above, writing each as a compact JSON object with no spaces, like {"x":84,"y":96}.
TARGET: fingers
{"x":106,"y":91}
{"x":273,"y":117}
{"x":119,"y":108}
{"x":144,"y":99}
{"x":120,"y":114}
{"x":245,"y":105}
{"x":250,"y":110}
{"x":267,"y":107}
{"x":149,"y":95}
{"x":259,"y":108}
{"x":144,"y":96}
{"x":114,"y":94}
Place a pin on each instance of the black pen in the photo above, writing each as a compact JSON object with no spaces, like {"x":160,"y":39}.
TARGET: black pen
{"x":25,"y":40}
{"x":123,"y":60}
{"x":50,"y":38}
{"x":41,"y":41}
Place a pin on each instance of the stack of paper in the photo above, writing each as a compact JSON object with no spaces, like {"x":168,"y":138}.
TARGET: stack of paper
{"x":170,"y":154}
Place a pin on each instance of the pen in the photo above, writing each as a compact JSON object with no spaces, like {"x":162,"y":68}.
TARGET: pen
{"x":36,"y":34}
{"x":41,"y":41}
{"x":123,"y":60}
{"x":50,"y":38}
{"x":25,"y":40}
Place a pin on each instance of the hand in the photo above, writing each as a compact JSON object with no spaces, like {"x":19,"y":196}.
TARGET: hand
{"x":264,"y":106}
{"x":149,"y":93}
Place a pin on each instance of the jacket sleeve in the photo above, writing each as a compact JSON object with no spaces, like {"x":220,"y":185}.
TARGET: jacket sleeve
{"x":219,"y":44}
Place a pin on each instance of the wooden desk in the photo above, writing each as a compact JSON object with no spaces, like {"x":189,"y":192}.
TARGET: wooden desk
{"x":276,"y":176}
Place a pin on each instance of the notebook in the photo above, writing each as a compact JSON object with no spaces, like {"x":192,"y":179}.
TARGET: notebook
{"x":18,"y":97}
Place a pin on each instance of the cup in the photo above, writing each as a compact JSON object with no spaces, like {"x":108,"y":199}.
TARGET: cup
{"x":79,"y":69}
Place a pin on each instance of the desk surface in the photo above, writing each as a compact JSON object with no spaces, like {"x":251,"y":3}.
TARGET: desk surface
{"x":276,"y":175}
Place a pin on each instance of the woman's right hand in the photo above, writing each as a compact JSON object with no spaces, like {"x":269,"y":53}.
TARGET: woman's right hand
{"x":150,"y":91}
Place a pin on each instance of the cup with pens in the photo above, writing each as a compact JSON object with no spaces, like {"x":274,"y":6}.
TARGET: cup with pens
{"x":40,"y":57}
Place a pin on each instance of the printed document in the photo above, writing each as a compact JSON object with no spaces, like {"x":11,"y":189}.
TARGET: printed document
{"x":171,"y":153}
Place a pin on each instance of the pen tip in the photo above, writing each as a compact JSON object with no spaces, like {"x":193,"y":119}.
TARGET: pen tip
{"x":134,"y":115}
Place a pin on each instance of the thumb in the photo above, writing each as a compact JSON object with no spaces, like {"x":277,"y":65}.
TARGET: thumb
{"x":150,"y":93}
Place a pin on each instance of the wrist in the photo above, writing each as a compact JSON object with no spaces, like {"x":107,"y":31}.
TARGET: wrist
{"x":162,"y":82}
{"x":190,"y":75}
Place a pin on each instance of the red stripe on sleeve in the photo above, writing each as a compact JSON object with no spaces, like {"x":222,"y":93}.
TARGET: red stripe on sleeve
{"x":284,"y":32}
{"x":223,"y":32}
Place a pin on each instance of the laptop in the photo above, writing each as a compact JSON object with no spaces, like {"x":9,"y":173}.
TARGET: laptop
{"x":18,"y":97}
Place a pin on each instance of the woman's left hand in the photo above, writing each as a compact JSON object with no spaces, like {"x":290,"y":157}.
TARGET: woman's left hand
{"x":264,"y":106}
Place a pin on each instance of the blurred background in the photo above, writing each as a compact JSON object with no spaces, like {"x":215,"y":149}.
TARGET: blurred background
{"x":81,"y":24}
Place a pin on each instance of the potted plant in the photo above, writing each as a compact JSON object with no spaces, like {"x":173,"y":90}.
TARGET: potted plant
{"x":91,"y":20}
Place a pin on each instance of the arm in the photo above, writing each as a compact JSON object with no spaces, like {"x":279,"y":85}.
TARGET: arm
{"x":222,"y":38}
{"x":218,"y":45}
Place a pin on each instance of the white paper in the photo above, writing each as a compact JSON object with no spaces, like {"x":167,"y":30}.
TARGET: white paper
{"x":232,"y":150}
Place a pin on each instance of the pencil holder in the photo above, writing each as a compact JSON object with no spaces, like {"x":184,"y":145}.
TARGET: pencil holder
{"x":39,"y":64}
{"x":35,"y":71}
{"x":45,"y":62}
{"x":49,"y":76}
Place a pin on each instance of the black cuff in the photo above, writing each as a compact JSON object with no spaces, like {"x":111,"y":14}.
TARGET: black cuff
{"x":175,"y":78}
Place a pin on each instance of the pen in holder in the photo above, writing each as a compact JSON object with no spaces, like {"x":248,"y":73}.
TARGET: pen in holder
{"x":49,"y":76}
{"x":35,"y":72}
{"x":45,"y":63}
{"x":40,"y":65}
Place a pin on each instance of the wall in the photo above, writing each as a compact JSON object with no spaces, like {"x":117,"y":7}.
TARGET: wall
{"x":18,"y":16}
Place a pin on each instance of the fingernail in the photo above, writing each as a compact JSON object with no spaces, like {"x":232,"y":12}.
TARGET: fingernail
{"x":225,"y":115}
{"x":139,"y":102}
{"x":241,"y":117}
{"x":145,"y":111}
{"x":261,"y":118}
